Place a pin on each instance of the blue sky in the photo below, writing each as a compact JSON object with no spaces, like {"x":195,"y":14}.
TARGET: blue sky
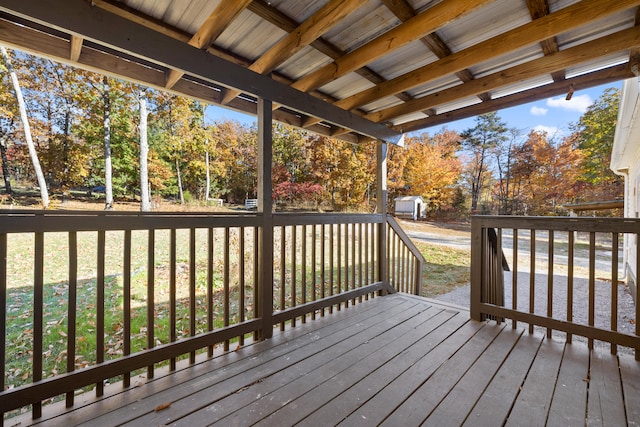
{"x":553,"y":115}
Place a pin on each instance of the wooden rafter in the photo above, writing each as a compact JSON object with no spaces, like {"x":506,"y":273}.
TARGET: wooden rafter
{"x":285,"y":23}
{"x":560,"y":60}
{"x":75,"y":47}
{"x":306,"y":33}
{"x":78,"y":17}
{"x":543,"y":28}
{"x":585,"y":81}
{"x":424,"y":23}
{"x":403,"y":10}
{"x":211,"y":29}
{"x":538,"y":9}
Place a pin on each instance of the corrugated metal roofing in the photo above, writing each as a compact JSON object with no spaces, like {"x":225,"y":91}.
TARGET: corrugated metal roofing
{"x":406,"y":67}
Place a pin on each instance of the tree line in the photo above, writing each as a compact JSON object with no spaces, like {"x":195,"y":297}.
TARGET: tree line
{"x":94,"y":132}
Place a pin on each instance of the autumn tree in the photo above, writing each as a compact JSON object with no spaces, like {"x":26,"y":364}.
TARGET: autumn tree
{"x":433,"y":169}
{"x":478,"y":141}
{"x":547,"y":173}
{"x":44,"y":193}
{"x":594,"y":136}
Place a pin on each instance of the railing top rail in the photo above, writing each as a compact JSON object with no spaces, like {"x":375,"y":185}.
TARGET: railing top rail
{"x":24,"y":221}
{"x":604,"y":225}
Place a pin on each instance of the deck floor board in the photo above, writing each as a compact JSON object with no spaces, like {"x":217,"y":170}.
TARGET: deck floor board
{"x":394,"y":360}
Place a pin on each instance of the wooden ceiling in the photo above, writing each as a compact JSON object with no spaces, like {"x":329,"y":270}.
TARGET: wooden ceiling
{"x":354,"y":69}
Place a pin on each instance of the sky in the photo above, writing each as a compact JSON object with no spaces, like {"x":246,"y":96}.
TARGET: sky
{"x":553,"y":115}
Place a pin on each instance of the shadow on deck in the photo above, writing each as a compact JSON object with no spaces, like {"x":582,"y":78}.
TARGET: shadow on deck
{"x":394,"y":360}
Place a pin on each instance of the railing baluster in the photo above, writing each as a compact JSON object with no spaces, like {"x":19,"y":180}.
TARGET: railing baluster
{"x":570,"y":262}
{"x":256,"y":274}
{"x":172,"y":292}
{"x":550,"y":263}
{"x":100,"y":307}
{"x":283,"y":272}
{"x":322,"y":263}
{"x":192,"y":289}
{"x":71,"y":305}
{"x":241,"y":281}
{"x":304,"y":269}
{"x":614,"y":287}
{"x":360,"y":250}
{"x":294,"y":244}
{"x":532,"y":277}
{"x":346,"y":261}
{"x":210,"y":307}
{"x":38,"y":307}
{"x":514,"y":276}
{"x":353,"y":260}
{"x":225,"y":280}
{"x":314,"y":265}
{"x":151,"y":304}
{"x":339,"y":266}
{"x":367,"y":230}
{"x":126,"y":300}
{"x":592,"y":282}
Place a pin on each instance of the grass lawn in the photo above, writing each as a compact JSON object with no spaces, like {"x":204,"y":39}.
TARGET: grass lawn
{"x":446,"y":268}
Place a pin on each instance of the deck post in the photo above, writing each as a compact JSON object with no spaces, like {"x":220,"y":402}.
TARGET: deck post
{"x":477,"y":277}
{"x":381,"y":208}
{"x":265,"y":207}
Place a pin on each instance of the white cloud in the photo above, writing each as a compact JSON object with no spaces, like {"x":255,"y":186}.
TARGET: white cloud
{"x":538,"y":111}
{"x":578,"y":103}
{"x":552,"y":131}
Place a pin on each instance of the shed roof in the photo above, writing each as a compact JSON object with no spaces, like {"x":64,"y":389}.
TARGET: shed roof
{"x":354,"y":69}
{"x":409,"y":199}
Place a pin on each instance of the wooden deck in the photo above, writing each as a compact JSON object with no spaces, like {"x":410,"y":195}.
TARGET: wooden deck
{"x":397,"y":361}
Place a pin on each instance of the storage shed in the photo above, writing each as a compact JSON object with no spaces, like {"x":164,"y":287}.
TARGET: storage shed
{"x":412,"y":207}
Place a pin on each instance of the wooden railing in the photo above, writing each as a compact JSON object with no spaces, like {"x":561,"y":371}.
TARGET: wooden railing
{"x":565,"y":276}
{"x":404,"y":260}
{"x":89,"y":297}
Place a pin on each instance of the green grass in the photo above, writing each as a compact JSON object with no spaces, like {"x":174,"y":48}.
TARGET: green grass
{"x":19,"y":317}
{"x":446,"y":269}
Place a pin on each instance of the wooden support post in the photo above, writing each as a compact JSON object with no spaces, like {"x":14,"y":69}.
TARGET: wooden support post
{"x":477,"y":277}
{"x":381,"y":208}
{"x":265,"y":207}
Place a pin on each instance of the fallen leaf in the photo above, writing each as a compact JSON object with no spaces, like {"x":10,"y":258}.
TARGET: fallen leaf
{"x":163,"y":406}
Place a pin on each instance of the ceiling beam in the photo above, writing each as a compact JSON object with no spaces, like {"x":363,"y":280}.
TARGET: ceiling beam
{"x":306,"y":33}
{"x":404,"y":11}
{"x":285,"y":23}
{"x":427,"y":22}
{"x":620,"y":41}
{"x":75,"y":48}
{"x":538,"y":9}
{"x":585,"y":81}
{"x":79,"y":18}
{"x":213,"y":26}
{"x":570,"y":17}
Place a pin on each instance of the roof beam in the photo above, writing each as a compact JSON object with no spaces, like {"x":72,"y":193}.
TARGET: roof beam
{"x":538,"y":9}
{"x":75,"y":48}
{"x":213,"y":26}
{"x":79,"y":18}
{"x":585,"y":81}
{"x":572,"y":16}
{"x":26,"y":39}
{"x":622,"y":40}
{"x":306,"y":33}
{"x":404,"y":11}
{"x":425,"y":23}
{"x":282,"y":21}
